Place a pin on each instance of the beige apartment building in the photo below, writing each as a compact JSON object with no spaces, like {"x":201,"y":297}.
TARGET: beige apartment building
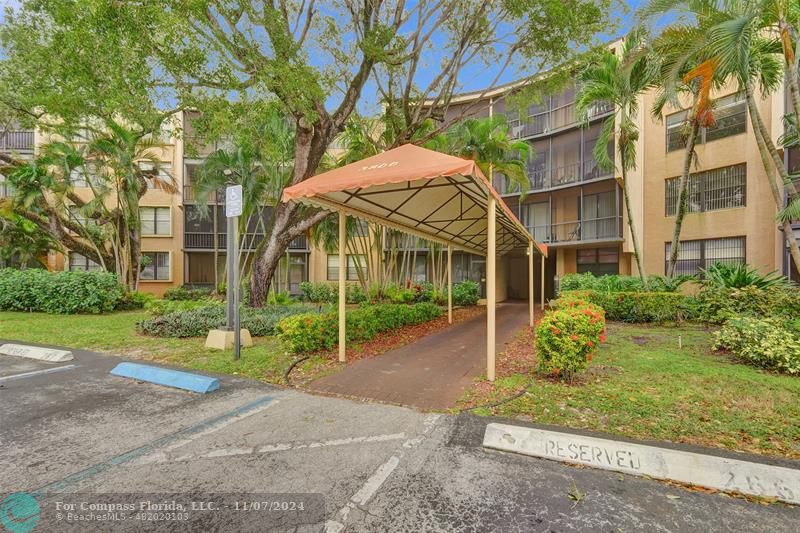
{"x":571,"y":204}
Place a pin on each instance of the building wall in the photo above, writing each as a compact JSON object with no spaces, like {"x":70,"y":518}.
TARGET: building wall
{"x":754,"y":221}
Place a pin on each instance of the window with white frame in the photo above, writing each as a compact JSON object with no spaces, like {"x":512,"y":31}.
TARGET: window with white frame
{"x":155,"y":220}
{"x":155,"y":267}
{"x":78,"y":262}
{"x":164,"y":174}
{"x":83,"y":175}
{"x":352,"y":270}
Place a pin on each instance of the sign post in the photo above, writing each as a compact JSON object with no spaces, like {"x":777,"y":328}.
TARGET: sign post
{"x":233,"y":208}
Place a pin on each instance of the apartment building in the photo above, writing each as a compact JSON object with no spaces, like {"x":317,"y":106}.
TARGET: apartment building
{"x":576,"y":207}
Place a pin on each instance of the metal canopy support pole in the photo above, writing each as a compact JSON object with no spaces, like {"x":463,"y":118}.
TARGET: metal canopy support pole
{"x":342,"y":288}
{"x":491,"y":298}
{"x":449,"y":283}
{"x":542,"y":282}
{"x":530,"y":282}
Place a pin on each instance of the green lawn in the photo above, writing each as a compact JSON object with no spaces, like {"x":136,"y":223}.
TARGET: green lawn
{"x":642,"y":385}
{"x":116,"y":334}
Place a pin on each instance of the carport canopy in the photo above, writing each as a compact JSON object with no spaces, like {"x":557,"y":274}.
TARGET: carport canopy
{"x":437,"y":197}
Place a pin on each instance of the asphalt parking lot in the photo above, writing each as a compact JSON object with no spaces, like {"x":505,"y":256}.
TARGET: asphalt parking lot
{"x":82,"y":434}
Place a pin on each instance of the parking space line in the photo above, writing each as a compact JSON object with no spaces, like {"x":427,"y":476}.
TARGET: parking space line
{"x":24,"y":375}
{"x":183,"y":435}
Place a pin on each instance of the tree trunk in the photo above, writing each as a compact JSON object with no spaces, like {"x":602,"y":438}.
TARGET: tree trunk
{"x":636,"y":250}
{"x":768,"y":160}
{"x":683,"y":197}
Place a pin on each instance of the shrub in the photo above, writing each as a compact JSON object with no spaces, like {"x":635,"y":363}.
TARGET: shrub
{"x":198,"y":321}
{"x":184,"y":293}
{"x":638,"y":306}
{"x":717,"y":304}
{"x":164,"y":307}
{"x":59,"y":292}
{"x":134,"y":300}
{"x":617,"y":283}
{"x":314,"y":332}
{"x":328,"y":292}
{"x":765,"y":343}
{"x":465,"y":293}
{"x":567,"y":336}
{"x":739,"y":275}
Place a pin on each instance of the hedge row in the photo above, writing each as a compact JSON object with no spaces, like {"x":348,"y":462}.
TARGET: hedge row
{"x":638,"y":306}
{"x":59,"y":292}
{"x":197,"y":322}
{"x":718,"y":304}
{"x":464,"y":293}
{"x":620,"y":283}
{"x":568,"y":335}
{"x":314,"y":332}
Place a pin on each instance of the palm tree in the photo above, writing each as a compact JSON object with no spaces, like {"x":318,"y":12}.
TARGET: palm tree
{"x":261,"y":169}
{"x":683,"y":69}
{"x":618,"y":80}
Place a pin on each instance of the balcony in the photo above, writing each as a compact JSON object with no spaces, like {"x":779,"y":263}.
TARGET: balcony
{"x":587,"y":230}
{"x":17,"y":141}
{"x":249,"y":241}
{"x":554,"y":120}
{"x":190,"y":197}
{"x":542,"y":179}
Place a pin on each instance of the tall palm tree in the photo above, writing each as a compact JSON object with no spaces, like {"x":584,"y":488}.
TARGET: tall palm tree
{"x":619,"y":80}
{"x":683,"y":69}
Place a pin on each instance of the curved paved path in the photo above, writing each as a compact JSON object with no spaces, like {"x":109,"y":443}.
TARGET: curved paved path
{"x":434,"y":371}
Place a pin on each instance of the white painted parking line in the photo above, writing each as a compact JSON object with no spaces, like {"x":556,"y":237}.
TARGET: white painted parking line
{"x":37,"y":373}
{"x":378,"y":478}
{"x":270,"y":448}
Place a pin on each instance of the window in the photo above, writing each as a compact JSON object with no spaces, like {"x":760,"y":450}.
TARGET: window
{"x":721,"y":188}
{"x":164,"y":174}
{"x":694,"y":255}
{"x":155,"y":220}
{"x":78,"y":262}
{"x":361,"y":228}
{"x":599,"y":218}
{"x":352,"y":271}
{"x":730,"y":116}
{"x":6,"y":189}
{"x":598,"y":261}
{"x":155,"y":266}
{"x":81,"y":176}
{"x":536,"y":217}
{"x":79,"y":218}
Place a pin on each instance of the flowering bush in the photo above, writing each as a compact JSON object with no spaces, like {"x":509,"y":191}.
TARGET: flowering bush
{"x":314,"y":332}
{"x":766,"y":343}
{"x":567,"y":336}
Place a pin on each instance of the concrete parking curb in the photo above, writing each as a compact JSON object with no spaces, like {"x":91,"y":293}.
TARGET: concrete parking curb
{"x":50,"y":355}
{"x":167,"y":377}
{"x":720,"y":473}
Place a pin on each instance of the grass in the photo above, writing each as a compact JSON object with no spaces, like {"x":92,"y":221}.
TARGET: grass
{"x":116,"y":334}
{"x":641,"y":384}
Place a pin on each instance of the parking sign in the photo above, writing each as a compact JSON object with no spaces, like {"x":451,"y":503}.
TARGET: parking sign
{"x":233,"y":201}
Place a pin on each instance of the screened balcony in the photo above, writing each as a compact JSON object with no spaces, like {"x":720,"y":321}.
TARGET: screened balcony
{"x":597,"y":218}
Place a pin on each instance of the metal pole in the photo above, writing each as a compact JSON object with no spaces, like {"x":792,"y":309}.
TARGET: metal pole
{"x":542,"y":282}
{"x":449,"y":284}
{"x":230,"y":251}
{"x":236,"y":289}
{"x":491,"y":298}
{"x":530,"y":282}
{"x":342,"y":288}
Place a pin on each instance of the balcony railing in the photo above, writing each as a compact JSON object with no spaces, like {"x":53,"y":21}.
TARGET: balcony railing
{"x":19,"y":141}
{"x":556,"y":119}
{"x":550,"y":178}
{"x":190,"y":196}
{"x":249,"y":241}
{"x":585,"y":230}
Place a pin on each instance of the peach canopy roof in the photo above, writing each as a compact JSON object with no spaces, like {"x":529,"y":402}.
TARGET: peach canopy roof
{"x":434,"y":196}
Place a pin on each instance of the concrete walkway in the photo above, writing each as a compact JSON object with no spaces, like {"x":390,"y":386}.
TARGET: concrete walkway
{"x":431,"y":373}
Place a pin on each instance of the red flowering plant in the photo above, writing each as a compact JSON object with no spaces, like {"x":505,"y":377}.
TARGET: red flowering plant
{"x":568,"y":335}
